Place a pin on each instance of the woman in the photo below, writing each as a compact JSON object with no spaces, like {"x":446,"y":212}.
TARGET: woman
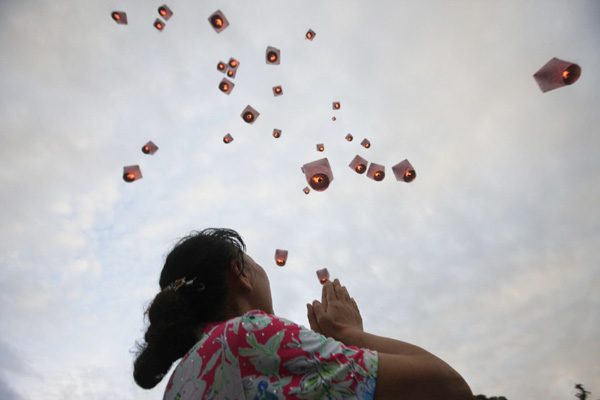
{"x":215,"y":311}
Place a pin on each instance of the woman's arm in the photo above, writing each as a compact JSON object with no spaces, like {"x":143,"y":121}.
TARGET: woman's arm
{"x":404,"y":369}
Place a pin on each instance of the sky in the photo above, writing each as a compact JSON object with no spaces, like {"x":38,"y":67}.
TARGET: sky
{"x":487,"y":259}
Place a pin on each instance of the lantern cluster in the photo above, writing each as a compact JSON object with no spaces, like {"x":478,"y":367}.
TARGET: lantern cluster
{"x":403,"y":171}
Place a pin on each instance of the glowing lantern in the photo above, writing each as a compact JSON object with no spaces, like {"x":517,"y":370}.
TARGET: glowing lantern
{"x":165,"y":12}
{"x":227,"y":139}
{"x":365,"y":143}
{"x":310,"y":35}
{"x":336,"y":105}
{"x":231,"y":73}
{"x":149,"y":148}
{"x":318,"y":174}
{"x":120,"y":17}
{"x":306,"y":190}
{"x":277,"y":90}
{"x":359,"y":164}
{"x":273,"y":55}
{"x":404,"y":171}
{"x":376,"y":172}
{"x":226,"y":86}
{"x":323,"y":275}
{"x":221,"y":66}
{"x":158,"y":24}
{"x":281,"y":257}
{"x":218,"y":21}
{"x":557,"y":73}
{"x":276,"y":133}
{"x":233,"y":63}
{"x":333,"y":118}
{"x":320,"y":147}
{"x":249,"y":114}
{"x":132,"y":173}
{"x":349,"y":137}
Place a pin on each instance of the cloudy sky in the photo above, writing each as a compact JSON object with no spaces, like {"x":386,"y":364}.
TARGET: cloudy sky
{"x":489,"y":259}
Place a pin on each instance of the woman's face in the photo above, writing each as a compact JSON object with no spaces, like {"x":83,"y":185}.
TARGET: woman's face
{"x":261,"y":285}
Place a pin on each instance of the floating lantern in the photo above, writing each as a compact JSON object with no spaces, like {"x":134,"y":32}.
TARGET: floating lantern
{"x":233,"y":63}
{"x":276,"y":133}
{"x":376,"y":172}
{"x":557,"y":73}
{"x":318,"y":174}
{"x":306,"y":190}
{"x":227,"y":139}
{"x":149,"y":148}
{"x":281,"y":257}
{"x":132,"y":173}
{"x":226,"y":86}
{"x":221,"y":66}
{"x":404,"y":171}
{"x":277,"y":91}
{"x":359,"y":164}
{"x":218,"y":21}
{"x":323,"y":275}
{"x":273,"y":55}
{"x":249,"y":114}
{"x":120,"y":17}
{"x":310,"y":35}
{"x":158,"y":24}
{"x":349,"y":137}
{"x":320,"y":147}
{"x":165,"y":12}
{"x":365,"y":143}
{"x":336,"y":105}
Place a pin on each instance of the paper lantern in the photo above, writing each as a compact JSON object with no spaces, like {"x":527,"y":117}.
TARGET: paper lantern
{"x":323,"y":275}
{"x":221,"y":66}
{"x":226,"y":86}
{"x":120,"y":17}
{"x":165,"y":12}
{"x":276,"y":133}
{"x":320,"y":147}
{"x":249,"y":114}
{"x":318,"y":174}
{"x":233,"y":63}
{"x":149,"y":148}
{"x":218,"y":21}
{"x":281,"y":257}
{"x":310,"y":35}
{"x":227,"y":139}
{"x":376,"y":172}
{"x":306,"y":190}
{"x":132,"y":173}
{"x":277,"y":91}
{"x":273,"y":55}
{"x":365,"y":143}
{"x":158,"y":24}
{"x":336,"y":105}
{"x":349,"y":137}
{"x":359,"y":164}
{"x":404,"y":171}
{"x":231,"y":73}
{"x":557,"y":73}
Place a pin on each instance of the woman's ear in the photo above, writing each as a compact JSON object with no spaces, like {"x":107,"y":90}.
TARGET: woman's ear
{"x":240,"y":274}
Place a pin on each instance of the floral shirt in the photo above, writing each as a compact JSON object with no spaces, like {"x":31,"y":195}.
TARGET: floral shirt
{"x":260,"y":356}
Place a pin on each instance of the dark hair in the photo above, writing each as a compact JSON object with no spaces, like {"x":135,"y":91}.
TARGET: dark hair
{"x":175,"y":316}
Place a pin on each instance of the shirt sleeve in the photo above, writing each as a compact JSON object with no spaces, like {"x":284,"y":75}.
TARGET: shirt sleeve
{"x":283,"y":359}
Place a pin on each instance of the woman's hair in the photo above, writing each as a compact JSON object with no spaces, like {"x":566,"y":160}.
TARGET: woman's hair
{"x":174,"y":316}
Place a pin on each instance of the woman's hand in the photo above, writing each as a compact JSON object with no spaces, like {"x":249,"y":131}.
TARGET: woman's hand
{"x":336,"y":313}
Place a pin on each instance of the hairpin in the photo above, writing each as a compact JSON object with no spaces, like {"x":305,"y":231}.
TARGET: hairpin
{"x":174,"y":286}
